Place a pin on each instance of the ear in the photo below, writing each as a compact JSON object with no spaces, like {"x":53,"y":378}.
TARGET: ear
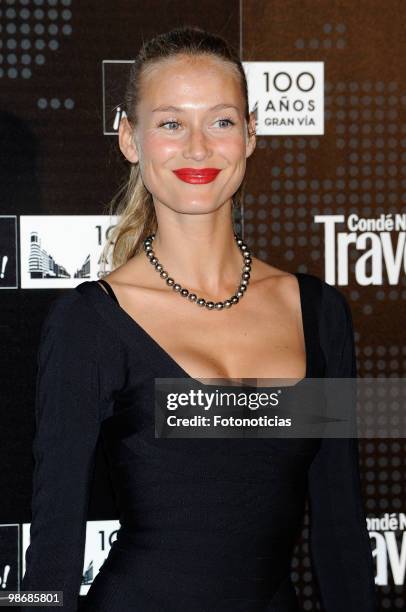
{"x":251,"y":140}
{"x":125,"y":140}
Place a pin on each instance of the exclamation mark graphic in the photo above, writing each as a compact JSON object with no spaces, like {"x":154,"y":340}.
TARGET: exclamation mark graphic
{"x":5,"y":576}
{"x":117,"y":118}
{"x":3,"y":266}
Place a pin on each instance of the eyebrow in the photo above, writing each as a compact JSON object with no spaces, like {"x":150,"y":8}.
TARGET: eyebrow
{"x":177,"y":109}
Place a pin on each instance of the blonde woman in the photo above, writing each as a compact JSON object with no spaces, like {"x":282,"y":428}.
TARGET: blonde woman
{"x":206,"y":524}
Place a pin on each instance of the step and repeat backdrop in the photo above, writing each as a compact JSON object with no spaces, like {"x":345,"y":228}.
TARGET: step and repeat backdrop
{"x":325,"y":194}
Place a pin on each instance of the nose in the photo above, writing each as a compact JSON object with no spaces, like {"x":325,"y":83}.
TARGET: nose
{"x":196,"y":146}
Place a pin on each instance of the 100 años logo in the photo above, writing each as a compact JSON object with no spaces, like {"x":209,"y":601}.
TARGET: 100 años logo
{"x":286,"y":97}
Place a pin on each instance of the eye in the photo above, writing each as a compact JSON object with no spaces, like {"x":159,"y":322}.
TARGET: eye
{"x":168,"y":122}
{"x":230,"y":121}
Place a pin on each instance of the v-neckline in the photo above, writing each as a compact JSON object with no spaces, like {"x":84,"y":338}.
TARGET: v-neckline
{"x":128,"y":319}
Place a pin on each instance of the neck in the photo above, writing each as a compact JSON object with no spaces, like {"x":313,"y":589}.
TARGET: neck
{"x":206,"y":260}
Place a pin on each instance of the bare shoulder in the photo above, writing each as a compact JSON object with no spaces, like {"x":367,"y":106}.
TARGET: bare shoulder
{"x":272,"y":284}
{"x":279,"y":281}
{"x":132,"y":274}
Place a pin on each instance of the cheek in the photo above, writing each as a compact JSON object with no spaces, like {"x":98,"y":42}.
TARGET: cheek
{"x":158,"y":146}
{"x":232,"y":147}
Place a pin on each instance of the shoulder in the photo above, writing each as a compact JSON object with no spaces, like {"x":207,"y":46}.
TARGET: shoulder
{"x":69,"y":309}
{"x":335,"y":305}
{"x":331,"y":298}
{"x":327,"y":298}
{"x":330,"y":304}
{"x":335,"y":327}
{"x":76,"y":342}
{"x":71,"y":322}
{"x":289,"y":289}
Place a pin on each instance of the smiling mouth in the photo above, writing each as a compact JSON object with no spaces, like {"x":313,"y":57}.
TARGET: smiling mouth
{"x":197,"y":176}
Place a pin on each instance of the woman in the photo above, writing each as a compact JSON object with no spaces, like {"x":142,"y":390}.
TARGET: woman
{"x":206,"y":524}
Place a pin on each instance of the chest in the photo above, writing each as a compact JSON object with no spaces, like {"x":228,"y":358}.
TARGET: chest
{"x":230,"y":344}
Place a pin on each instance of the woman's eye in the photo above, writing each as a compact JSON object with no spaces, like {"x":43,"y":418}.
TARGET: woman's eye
{"x":230,"y":121}
{"x":168,"y":123}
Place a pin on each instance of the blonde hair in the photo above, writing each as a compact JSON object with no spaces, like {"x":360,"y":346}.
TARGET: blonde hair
{"x":133,"y":203}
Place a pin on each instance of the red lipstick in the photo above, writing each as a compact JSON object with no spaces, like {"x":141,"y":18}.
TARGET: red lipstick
{"x":197,"y":176}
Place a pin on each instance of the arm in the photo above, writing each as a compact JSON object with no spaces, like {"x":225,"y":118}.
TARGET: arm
{"x":339,"y":541}
{"x":67,"y":429}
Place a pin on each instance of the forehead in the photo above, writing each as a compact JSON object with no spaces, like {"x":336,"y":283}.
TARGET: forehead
{"x":200,"y":81}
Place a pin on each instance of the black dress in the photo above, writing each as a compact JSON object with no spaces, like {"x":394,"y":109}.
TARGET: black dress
{"x":207,"y":525}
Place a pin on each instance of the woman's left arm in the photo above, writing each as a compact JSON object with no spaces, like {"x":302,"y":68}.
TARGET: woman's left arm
{"x":339,"y":541}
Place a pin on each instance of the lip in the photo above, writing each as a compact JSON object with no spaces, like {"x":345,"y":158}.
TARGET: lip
{"x":197,"y":176}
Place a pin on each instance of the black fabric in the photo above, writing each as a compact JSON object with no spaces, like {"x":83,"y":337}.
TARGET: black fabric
{"x":206,"y":524}
{"x":109,"y":289}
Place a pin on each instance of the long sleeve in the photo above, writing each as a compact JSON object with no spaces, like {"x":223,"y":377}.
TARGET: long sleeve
{"x":67,"y":429}
{"x":339,"y":542}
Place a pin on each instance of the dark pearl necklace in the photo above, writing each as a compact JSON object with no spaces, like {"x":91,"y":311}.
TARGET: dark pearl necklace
{"x":234,"y":299}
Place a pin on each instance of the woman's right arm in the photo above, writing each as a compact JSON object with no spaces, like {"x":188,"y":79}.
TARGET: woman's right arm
{"x":67,"y":415}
